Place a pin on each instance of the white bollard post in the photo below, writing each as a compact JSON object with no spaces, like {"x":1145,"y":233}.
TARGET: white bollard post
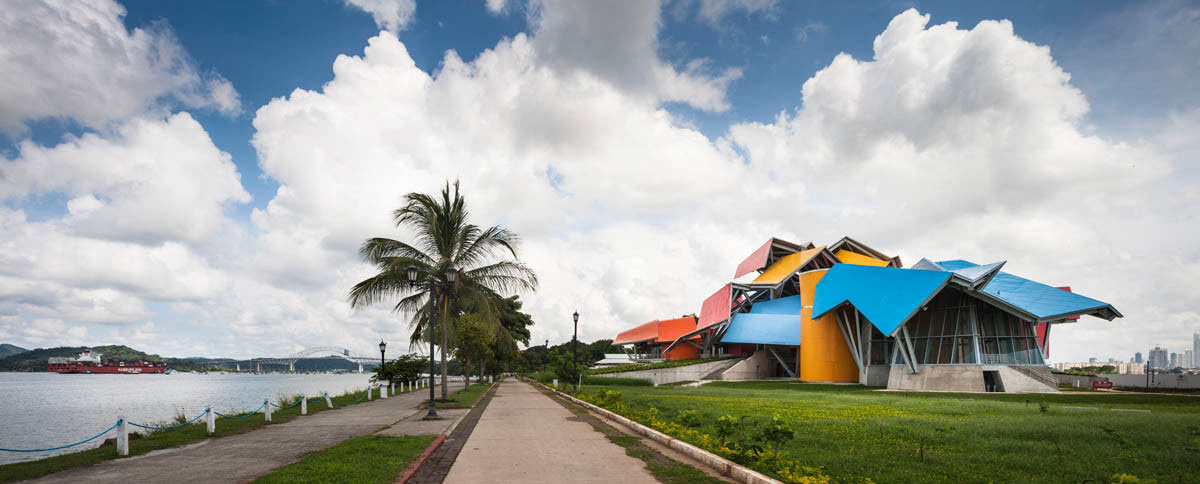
{"x":556,"y":382}
{"x":368,"y":393}
{"x":328,"y":402}
{"x":210,"y":421}
{"x":122,"y":436}
{"x":267,"y":409}
{"x":383,"y":391}
{"x":303,"y":405}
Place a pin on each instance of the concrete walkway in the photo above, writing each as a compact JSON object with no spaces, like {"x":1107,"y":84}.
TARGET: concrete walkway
{"x":241,"y":457}
{"x":524,"y":436}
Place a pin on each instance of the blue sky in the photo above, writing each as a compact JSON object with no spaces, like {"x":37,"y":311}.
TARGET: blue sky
{"x":1045,"y":146}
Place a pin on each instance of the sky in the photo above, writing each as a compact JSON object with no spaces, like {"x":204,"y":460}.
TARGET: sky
{"x":194,"y":178}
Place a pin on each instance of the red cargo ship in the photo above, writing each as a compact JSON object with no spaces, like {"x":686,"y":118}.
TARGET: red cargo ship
{"x":89,"y":362}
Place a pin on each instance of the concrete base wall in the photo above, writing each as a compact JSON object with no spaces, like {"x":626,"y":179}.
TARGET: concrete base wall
{"x":875,"y":376}
{"x":751,"y":368}
{"x":1077,"y":380}
{"x":962,"y":378}
{"x":1160,"y":381}
{"x":661,"y":376}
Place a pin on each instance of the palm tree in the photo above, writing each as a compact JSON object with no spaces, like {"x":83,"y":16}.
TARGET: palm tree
{"x":443,"y":238}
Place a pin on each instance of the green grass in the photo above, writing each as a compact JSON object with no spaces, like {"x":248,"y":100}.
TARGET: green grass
{"x":465,"y":397}
{"x":851,"y":433}
{"x":163,"y":439}
{"x":652,"y":366}
{"x":367,"y":459}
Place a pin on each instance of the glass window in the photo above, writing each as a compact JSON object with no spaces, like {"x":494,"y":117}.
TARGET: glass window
{"x":946,"y":350}
{"x":963,"y":352}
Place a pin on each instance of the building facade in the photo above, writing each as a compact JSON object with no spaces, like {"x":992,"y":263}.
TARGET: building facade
{"x":1159,"y":358}
{"x":848,"y":313}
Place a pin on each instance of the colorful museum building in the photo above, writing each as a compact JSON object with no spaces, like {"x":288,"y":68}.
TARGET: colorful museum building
{"x":849,"y":313}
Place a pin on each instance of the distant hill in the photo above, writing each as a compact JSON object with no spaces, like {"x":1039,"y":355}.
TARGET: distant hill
{"x":35,"y":360}
{"x":9,"y":350}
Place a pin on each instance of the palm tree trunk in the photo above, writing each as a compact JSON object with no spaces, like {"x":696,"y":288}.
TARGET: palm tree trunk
{"x":445,"y":376}
{"x":467,"y":373}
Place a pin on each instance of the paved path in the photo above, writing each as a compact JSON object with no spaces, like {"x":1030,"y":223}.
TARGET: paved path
{"x":524,"y":436}
{"x":237,"y":458}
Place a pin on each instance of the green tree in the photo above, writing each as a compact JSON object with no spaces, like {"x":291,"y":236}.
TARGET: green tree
{"x":443,"y":238}
{"x":405,"y":369}
{"x":472,"y":342}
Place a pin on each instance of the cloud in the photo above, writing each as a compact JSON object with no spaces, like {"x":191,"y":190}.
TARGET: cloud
{"x":76,"y":60}
{"x":496,"y":6}
{"x":714,"y":11}
{"x":394,"y":15}
{"x":151,"y":181}
{"x":618,"y":42}
{"x":946,"y":143}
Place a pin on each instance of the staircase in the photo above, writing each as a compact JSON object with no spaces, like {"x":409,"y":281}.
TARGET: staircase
{"x":1039,"y":373}
{"x":715,"y":374}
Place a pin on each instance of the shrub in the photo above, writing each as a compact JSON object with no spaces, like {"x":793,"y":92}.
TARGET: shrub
{"x":652,"y":366}
{"x":776,"y":432}
{"x":689,"y":418}
{"x":628,"y":382}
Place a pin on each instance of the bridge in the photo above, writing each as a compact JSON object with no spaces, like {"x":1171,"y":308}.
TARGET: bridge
{"x":291,"y":359}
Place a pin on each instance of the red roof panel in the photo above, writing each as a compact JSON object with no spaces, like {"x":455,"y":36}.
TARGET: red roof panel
{"x":716,"y":308}
{"x":756,"y":261}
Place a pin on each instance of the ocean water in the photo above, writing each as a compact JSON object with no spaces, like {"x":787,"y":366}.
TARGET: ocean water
{"x":41,"y":410}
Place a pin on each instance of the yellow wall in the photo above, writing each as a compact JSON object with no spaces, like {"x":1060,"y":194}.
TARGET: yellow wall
{"x":824,"y":355}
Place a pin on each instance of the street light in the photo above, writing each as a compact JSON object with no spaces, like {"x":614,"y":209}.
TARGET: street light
{"x":575,"y":354}
{"x":382,"y":346}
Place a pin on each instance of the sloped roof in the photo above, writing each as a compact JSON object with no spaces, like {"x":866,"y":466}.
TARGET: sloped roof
{"x":788,"y":265}
{"x":849,"y":257}
{"x":971,"y":277}
{"x":756,"y":261}
{"x":638,"y":334}
{"x":783,"y":305}
{"x":762,"y":328}
{"x":716,"y":308}
{"x":887,"y":296}
{"x":664,"y":331}
{"x":1042,"y":302}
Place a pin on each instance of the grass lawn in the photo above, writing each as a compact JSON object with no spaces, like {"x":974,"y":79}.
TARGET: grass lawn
{"x":461,"y":397}
{"x":852,"y":434}
{"x":166,"y":438}
{"x":361,"y":460}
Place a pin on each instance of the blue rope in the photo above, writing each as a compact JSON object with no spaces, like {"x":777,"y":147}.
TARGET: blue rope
{"x":171,"y":427}
{"x":260,"y":407}
{"x":289,"y":406}
{"x":364,"y":395}
{"x":68,"y":445}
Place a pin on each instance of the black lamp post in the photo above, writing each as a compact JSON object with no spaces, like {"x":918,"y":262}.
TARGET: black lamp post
{"x":575,"y":354}
{"x":412,"y":273}
{"x":382,"y":346}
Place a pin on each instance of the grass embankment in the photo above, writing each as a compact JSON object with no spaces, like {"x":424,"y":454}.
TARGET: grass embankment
{"x":856,"y":434}
{"x":162,"y":439}
{"x":653,"y":366}
{"x":548,"y":378}
{"x":368,"y":459}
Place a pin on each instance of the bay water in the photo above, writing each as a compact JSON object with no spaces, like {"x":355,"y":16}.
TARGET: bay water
{"x":42,"y":410}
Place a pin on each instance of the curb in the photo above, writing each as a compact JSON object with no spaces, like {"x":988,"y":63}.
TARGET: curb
{"x":412,"y":468}
{"x":722,"y":465}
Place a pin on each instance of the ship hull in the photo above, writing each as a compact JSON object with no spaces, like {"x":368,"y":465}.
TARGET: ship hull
{"x":126,"y":370}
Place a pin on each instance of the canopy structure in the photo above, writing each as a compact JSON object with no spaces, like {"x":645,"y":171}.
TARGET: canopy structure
{"x":972,"y":277}
{"x":849,"y":257}
{"x":787,"y":266}
{"x":887,"y":296}
{"x":1034,"y":300}
{"x":716,"y":308}
{"x":640,"y":334}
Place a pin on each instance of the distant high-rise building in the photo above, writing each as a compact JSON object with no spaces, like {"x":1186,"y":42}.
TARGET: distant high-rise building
{"x":1189,"y":359}
{"x":1158,"y":357}
{"x":1174,"y":360}
{"x":1195,"y":349}
{"x":1137,"y":357}
{"x":1092,"y":360}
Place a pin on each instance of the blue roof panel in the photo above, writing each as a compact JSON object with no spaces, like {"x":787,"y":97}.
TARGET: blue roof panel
{"x":783,"y":305}
{"x":765,"y":329}
{"x":887,"y":296}
{"x":1040,"y":300}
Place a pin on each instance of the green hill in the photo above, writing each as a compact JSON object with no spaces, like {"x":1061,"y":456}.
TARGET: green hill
{"x":9,"y":350}
{"x":35,"y":360}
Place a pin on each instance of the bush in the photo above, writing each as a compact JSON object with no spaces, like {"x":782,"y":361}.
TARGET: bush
{"x":689,"y":418}
{"x":628,"y":382}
